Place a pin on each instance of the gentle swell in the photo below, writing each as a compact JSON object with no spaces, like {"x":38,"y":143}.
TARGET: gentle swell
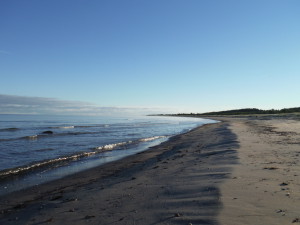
{"x":50,"y":135}
{"x":9,"y":129}
{"x":64,"y":159}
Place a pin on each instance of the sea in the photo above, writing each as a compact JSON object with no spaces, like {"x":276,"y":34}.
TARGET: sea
{"x":35,"y":149}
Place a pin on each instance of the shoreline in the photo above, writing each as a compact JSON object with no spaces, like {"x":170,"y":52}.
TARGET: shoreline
{"x":59,"y":172}
{"x":157,"y":172}
{"x":50,"y":161}
{"x":240,"y":171}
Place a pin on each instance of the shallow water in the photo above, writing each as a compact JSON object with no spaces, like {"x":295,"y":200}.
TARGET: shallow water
{"x":35,"y":149}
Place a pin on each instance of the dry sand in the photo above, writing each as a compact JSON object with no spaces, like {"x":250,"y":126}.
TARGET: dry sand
{"x":240,"y":171}
{"x":265,"y":186}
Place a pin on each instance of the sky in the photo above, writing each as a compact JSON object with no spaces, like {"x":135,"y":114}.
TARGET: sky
{"x":168,"y":55}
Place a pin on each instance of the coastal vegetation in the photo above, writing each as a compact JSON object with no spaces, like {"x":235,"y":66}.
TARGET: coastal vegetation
{"x":250,"y":111}
{"x":246,"y":111}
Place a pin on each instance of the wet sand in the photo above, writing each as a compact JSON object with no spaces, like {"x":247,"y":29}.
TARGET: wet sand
{"x":241,"y":171}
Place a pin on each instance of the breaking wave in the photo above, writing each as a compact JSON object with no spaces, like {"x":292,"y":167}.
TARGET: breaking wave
{"x":32,"y":137}
{"x":65,"y":127}
{"x":65,"y":159}
{"x":113,"y":146}
{"x":127,"y":144}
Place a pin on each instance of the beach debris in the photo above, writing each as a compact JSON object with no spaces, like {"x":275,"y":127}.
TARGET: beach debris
{"x":177,"y":215}
{"x":48,"y":220}
{"x":281,"y":211}
{"x":296,"y":220}
{"x":20,"y":206}
{"x":71,"y":200}
{"x":283,"y":184}
{"x":89,"y":217}
{"x":270,"y":168}
{"x":56,"y":197}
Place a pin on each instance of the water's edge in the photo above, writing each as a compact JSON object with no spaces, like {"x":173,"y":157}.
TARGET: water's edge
{"x":49,"y":173}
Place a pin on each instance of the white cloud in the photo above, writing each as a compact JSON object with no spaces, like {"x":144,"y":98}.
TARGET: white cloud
{"x":12,"y":104}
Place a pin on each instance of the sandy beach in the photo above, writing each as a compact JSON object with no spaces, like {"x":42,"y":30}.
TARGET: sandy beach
{"x":265,"y":185}
{"x":244,"y":170}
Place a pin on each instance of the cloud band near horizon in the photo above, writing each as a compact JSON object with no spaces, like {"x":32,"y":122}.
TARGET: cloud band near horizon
{"x":13,"y":104}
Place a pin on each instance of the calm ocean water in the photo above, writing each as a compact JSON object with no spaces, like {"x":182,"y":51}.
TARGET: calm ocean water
{"x":35,"y":149}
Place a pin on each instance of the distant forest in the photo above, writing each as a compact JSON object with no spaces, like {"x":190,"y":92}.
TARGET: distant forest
{"x":249,"y":111}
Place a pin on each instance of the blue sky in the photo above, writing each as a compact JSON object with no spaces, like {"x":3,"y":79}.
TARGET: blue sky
{"x":184,"y":56}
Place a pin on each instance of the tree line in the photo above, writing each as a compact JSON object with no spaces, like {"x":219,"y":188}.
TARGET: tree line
{"x":248,"y":111}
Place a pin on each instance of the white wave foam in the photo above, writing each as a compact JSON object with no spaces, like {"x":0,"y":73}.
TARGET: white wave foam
{"x":151,"y":138}
{"x":113,"y":146}
{"x":32,"y":137}
{"x":45,"y":163}
{"x":109,"y":147}
{"x":67,"y":127}
{"x":98,"y":150}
